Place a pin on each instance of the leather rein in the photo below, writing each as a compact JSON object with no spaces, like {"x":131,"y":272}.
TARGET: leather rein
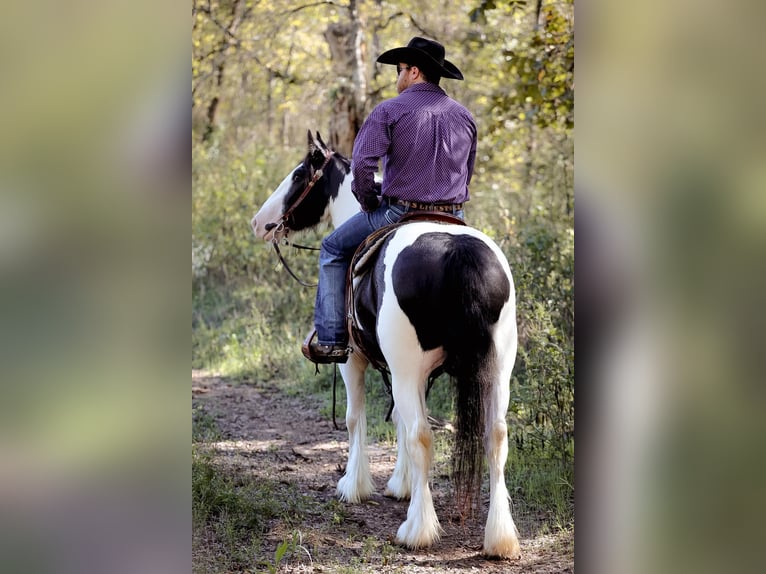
{"x":282,"y":227}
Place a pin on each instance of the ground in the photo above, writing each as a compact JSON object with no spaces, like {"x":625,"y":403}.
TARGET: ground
{"x":283,"y":440}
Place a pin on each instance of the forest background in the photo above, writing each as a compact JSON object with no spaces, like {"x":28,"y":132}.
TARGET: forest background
{"x":263,"y":73}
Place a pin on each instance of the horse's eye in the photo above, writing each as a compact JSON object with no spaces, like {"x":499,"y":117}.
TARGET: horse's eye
{"x":298,"y":176}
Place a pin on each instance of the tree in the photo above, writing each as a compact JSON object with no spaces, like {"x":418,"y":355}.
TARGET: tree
{"x":348,"y":93}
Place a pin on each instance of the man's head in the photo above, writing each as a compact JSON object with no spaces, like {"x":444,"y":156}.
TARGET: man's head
{"x":421,"y":60}
{"x":410,"y":74}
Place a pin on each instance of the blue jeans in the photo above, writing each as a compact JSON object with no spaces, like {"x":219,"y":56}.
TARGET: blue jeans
{"x":334,"y":260}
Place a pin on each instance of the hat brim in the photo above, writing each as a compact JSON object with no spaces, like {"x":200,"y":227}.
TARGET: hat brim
{"x":419,"y":57}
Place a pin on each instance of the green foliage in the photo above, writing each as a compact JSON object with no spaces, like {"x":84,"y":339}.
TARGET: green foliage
{"x":285,"y":549}
{"x":543,"y":382}
{"x":227,"y":187}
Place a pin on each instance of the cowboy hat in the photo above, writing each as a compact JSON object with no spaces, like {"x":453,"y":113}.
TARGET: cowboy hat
{"x":424,"y":53}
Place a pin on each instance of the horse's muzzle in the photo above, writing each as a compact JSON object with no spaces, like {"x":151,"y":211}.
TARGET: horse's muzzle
{"x":262,"y":231}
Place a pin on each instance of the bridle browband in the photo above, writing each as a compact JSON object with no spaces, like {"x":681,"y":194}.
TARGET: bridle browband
{"x":281,"y":227}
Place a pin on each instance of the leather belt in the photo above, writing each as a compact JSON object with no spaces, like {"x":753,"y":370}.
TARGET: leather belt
{"x":443,"y":207}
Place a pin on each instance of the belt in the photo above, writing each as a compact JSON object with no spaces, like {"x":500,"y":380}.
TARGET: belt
{"x":443,"y":207}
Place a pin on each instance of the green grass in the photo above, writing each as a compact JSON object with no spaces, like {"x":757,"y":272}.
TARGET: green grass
{"x":237,"y":510}
{"x":204,"y":427}
{"x":541,"y":487}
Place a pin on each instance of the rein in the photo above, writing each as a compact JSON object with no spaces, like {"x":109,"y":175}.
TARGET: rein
{"x":286,"y":216}
{"x":275,"y":243}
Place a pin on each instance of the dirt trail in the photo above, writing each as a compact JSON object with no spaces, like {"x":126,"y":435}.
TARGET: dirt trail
{"x":274,"y":436}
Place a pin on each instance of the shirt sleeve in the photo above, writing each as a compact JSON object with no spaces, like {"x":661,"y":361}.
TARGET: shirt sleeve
{"x":472,"y":154}
{"x":371,"y":144}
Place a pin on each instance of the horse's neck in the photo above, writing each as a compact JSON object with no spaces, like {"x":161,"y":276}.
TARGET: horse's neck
{"x":345,"y":204}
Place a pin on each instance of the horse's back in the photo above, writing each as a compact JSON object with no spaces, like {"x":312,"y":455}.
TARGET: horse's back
{"x":410,"y":233}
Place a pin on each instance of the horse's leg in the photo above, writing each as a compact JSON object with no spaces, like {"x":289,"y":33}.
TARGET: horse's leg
{"x":409,"y":366}
{"x":399,"y":485}
{"x":500,"y":535}
{"x":356,"y":484}
{"x":421,"y":528}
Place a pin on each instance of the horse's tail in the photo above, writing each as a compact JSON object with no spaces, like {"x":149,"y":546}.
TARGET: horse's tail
{"x":479,"y":289}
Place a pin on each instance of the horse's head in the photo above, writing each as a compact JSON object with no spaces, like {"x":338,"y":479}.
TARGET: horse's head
{"x":304,"y":195}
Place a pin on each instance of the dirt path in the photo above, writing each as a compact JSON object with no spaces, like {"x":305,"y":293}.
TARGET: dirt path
{"x":272,"y":436}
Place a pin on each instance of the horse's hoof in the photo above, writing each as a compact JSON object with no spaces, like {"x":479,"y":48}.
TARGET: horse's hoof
{"x":347,"y":493}
{"x":412,"y":537}
{"x":398,"y":488}
{"x":508,"y":548}
{"x":397,"y":496}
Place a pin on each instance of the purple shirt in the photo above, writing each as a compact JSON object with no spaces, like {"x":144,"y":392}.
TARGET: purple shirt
{"x":428,"y":144}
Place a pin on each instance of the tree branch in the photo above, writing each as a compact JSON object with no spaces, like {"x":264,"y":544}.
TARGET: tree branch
{"x":419,"y":27}
{"x":390,"y":19}
{"x":227,"y":30}
{"x":314,"y":4}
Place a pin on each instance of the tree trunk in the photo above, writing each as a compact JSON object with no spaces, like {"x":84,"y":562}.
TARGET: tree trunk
{"x":229,"y":34}
{"x":348,"y":95}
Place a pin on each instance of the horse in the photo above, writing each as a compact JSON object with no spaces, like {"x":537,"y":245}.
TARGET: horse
{"x":440,"y":296}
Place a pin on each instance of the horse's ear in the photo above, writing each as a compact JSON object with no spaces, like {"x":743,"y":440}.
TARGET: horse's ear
{"x":321,"y":143}
{"x":311,"y":143}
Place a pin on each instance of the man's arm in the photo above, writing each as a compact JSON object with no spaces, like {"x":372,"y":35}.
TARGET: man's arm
{"x":472,"y":154}
{"x":370,"y":145}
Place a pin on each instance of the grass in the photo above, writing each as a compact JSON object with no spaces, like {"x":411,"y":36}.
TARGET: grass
{"x":234,"y":513}
{"x":541,"y":488}
{"x":204,"y":427}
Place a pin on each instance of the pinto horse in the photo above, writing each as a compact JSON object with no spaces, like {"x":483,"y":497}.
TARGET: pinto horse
{"x":440,"y":296}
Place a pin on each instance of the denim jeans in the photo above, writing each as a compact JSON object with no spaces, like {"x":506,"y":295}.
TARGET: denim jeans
{"x":334,"y":260}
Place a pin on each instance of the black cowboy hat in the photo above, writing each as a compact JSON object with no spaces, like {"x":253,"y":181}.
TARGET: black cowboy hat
{"x":427,"y":54}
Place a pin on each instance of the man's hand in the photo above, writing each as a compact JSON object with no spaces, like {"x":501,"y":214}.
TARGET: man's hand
{"x":370,"y":203}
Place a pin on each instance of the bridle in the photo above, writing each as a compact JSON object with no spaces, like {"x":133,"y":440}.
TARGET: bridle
{"x":281,"y":227}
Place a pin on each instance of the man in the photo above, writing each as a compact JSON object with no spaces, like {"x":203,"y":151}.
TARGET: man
{"x":427,"y":142}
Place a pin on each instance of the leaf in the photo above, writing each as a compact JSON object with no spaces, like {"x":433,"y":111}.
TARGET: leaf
{"x":280,"y":553}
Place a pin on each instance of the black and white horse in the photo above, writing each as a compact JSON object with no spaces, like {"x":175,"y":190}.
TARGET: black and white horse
{"x":443,"y":297}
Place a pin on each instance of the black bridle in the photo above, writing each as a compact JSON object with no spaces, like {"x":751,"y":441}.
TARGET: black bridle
{"x":282,"y":227}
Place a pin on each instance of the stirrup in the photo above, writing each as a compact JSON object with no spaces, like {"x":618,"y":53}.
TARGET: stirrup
{"x":324,"y":354}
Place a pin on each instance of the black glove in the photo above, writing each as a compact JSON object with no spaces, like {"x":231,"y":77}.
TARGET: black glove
{"x":370,"y":203}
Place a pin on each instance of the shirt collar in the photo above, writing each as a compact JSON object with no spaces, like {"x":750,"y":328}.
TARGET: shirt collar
{"x":424,"y":87}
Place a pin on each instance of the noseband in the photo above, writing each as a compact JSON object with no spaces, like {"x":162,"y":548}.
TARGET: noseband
{"x":282,"y":227}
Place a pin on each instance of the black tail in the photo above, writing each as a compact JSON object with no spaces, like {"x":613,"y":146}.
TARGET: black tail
{"x":478,"y":288}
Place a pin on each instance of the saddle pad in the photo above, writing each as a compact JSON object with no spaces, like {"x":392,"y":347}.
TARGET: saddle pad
{"x":369,"y":247}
